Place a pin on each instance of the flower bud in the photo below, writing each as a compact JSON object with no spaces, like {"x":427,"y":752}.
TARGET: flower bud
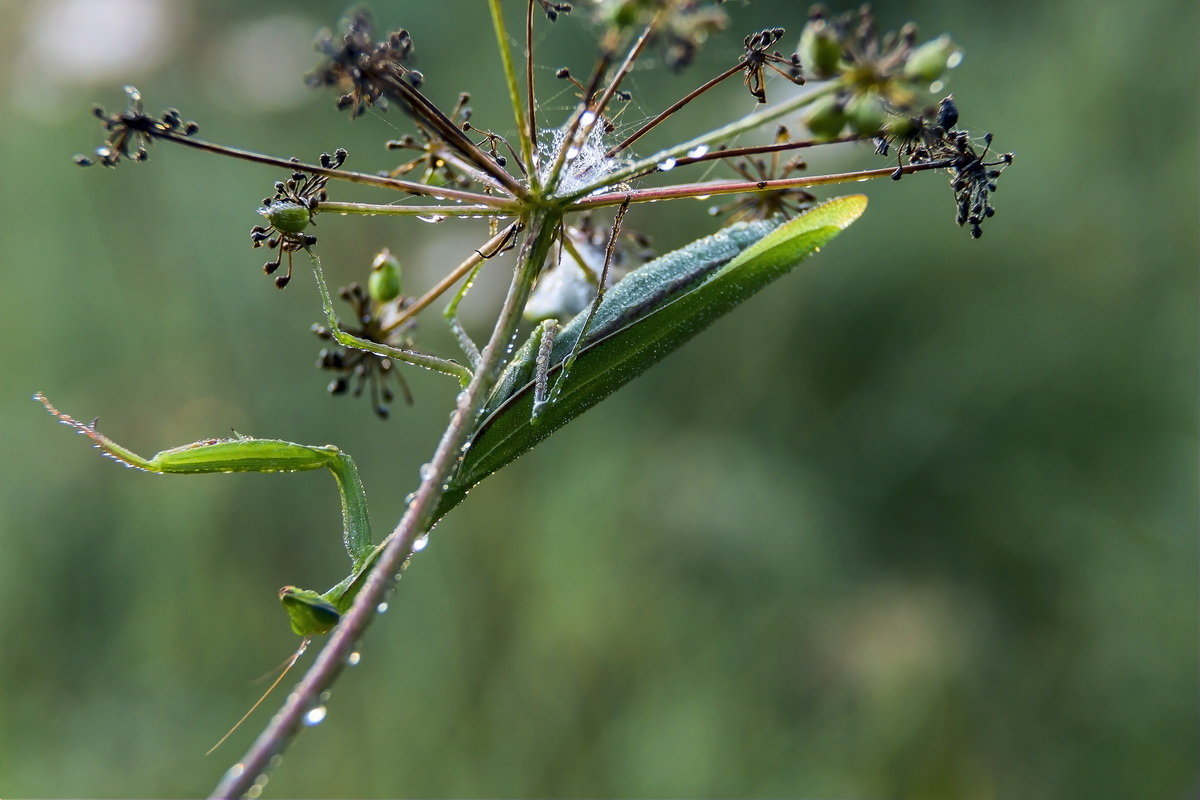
{"x":826,"y":117}
{"x":286,"y":217}
{"x":927,"y":62}
{"x":384,"y":283}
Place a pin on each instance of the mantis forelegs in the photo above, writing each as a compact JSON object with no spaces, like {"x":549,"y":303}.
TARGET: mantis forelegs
{"x":310,"y":612}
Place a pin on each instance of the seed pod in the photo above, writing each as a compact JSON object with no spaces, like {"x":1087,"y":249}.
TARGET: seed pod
{"x":819,"y":50}
{"x":866,"y":113}
{"x":927,"y":63}
{"x":384,"y":283}
{"x":826,"y":117}
{"x":286,"y":217}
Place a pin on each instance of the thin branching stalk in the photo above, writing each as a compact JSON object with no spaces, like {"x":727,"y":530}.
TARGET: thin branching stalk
{"x":510,"y":81}
{"x":378,"y":210}
{"x":485,"y":251}
{"x":704,"y":190}
{"x":676,"y":106}
{"x":762,"y":149}
{"x":424,"y":190}
{"x":722,"y":134}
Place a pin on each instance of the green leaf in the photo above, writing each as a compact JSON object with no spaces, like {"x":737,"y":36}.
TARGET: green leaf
{"x":618,"y":355}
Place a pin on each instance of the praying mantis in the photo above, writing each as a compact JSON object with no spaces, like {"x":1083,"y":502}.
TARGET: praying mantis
{"x":628,"y":328}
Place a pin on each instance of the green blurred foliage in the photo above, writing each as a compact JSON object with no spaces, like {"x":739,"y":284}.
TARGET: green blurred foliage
{"x":920,"y":521}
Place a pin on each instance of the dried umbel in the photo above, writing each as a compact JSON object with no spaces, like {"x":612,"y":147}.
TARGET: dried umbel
{"x":931,"y":138}
{"x":289,"y":213}
{"x":132,"y":131}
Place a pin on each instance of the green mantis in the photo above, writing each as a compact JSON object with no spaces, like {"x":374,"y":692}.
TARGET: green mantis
{"x":640,"y":319}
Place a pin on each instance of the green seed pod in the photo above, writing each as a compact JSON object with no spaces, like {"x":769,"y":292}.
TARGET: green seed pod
{"x":866,"y":113}
{"x":819,"y":51}
{"x":826,"y":117}
{"x":287,"y":217}
{"x":927,"y":63}
{"x":384,"y":283}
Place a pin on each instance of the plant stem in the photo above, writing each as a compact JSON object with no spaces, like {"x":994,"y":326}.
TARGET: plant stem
{"x":416,"y":520}
{"x":678,"y":104}
{"x":492,"y":247}
{"x":375,"y":209}
{"x":703,"y":190}
{"x":337,"y":174}
{"x":510,"y":80}
{"x":763,"y":149}
{"x":746,"y":123}
{"x":577,"y":129}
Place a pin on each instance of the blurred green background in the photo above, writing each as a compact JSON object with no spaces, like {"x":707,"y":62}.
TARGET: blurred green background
{"x":920,"y":521}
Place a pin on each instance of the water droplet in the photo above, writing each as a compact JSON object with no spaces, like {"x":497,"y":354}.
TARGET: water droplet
{"x":235,"y":771}
{"x":432,"y":219}
{"x":587,"y":118}
{"x":466,"y":446}
{"x":254,"y":792}
{"x":937,"y":86}
{"x":425,"y":471}
{"x":666,"y":165}
{"x":315,"y":716}
{"x":420,"y":543}
{"x":381,"y":608}
{"x":354,"y":658}
{"x":698,"y":151}
{"x":408,"y":498}
{"x":461,"y":398}
{"x":954,"y":59}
